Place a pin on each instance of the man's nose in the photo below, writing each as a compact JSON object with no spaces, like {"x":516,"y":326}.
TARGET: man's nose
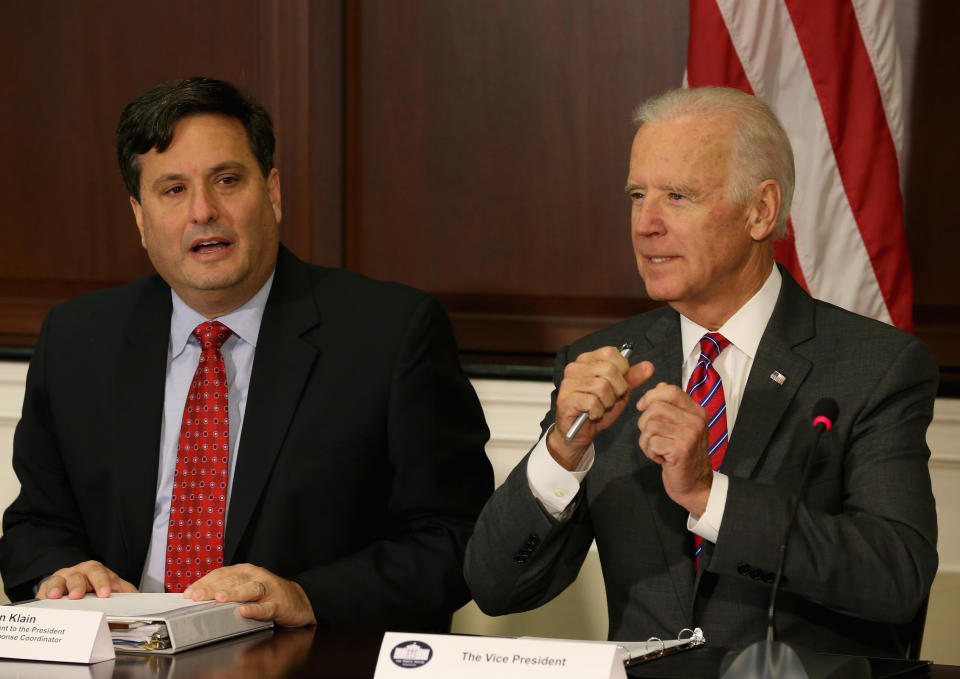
{"x":203,"y":207}
{"x":647,"y":219}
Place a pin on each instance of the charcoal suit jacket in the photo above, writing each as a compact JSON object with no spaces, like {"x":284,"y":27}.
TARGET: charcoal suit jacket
{"x":862,"y":554}
{"x":360,"y":468}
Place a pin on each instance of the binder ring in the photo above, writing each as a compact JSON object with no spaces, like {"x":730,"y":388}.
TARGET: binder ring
{"x":663,"y":647}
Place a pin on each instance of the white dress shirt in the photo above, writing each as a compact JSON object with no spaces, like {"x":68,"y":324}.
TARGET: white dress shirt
{"x":183,"y":355}
{"x":555,"y":487}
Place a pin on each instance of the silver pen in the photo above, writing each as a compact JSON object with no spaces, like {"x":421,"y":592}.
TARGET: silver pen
{"x":625,"y":350}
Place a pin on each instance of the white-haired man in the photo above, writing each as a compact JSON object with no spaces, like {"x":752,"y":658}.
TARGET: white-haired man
{"x":690,"y":460}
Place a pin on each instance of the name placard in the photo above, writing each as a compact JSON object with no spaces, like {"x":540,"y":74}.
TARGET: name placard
{"x":421,"y":656}
{"x":55,"y":635}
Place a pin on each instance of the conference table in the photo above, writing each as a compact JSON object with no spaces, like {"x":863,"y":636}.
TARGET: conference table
{"x":315,"y":653}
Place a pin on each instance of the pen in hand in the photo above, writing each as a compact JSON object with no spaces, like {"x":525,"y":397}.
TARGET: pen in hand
{"x":625,"y":350}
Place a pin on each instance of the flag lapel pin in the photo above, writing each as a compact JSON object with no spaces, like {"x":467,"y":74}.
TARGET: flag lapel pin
{"x":777,"y":377}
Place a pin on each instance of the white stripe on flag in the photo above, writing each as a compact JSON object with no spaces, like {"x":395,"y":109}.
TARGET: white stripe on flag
{"x":824,"y":76}
{"x":831,"y":252}
{"x":877,"y":26}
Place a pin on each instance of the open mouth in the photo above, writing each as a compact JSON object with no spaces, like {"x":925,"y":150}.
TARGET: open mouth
{"x":204,"y":247}
{"x":659,"y":260}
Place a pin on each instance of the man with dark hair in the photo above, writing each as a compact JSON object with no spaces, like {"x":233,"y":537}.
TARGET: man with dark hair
{"x":690,"y":459}
{"x":243,"y":426}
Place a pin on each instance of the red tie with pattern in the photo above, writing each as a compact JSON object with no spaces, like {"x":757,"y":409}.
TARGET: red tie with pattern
{"x":706,"y":389}
{"x":198,"y":505}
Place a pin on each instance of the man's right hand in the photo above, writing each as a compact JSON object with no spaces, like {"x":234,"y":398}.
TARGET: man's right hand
{"x":76,"y":581}
{"x":599,"y":383}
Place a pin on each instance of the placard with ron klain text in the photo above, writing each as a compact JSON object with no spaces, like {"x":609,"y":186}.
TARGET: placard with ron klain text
{"x":55,"y":635}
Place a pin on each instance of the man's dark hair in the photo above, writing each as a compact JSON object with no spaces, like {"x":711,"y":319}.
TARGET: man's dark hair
{"x":148,"y":121}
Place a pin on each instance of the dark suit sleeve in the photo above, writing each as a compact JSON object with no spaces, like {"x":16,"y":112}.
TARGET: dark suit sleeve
{"x":864,"y":542}
{"x":520,"y":557}
{"x":42,"y":529}
{"x":412,"y":575}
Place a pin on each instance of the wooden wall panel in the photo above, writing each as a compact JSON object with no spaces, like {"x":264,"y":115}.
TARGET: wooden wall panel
{"x":474,"y":149}
{"x":80,"y":64}
{"x":931,"y":215}
{"x":67,"y":226}
{"x":493,"y":149}
{"x":302,"y":87}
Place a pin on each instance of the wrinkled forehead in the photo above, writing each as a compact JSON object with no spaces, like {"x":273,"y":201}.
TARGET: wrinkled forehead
{"x":683,"y":149}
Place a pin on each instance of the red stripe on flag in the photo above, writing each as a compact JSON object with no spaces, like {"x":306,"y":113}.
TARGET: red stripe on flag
{"x":711,"y":57}
{"x":846,"y":86}
{"x":713,"y":60}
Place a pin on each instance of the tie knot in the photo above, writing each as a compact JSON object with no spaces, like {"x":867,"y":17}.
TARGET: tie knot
{"x":212,"y":334}
{"x":712,"y":344}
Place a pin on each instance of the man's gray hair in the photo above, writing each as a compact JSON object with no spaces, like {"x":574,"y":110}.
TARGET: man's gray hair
{"x":761,"y":149}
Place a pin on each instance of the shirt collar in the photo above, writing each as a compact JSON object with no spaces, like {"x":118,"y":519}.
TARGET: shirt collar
{"x":244,"y":321}
{"x":745,"y":328}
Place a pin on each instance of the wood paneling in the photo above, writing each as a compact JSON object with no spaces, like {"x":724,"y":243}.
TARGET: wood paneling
{"x":495,"y":138}
{"x":66,"y":224}
{"x":67,"y":215}
{"x":302,"y":86}
{"x":473,"y":149}
{"x":929,"y":211}
{"x":490,"y":151}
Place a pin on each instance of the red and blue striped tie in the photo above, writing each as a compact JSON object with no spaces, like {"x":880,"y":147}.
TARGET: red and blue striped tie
{"x":706,"y":389}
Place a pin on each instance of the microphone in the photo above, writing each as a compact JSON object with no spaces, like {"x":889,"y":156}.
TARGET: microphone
{"x":825,"y":412}
{"x":771,"y":659}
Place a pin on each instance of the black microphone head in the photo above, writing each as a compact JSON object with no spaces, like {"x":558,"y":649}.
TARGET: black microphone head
{"x":825,"y":412}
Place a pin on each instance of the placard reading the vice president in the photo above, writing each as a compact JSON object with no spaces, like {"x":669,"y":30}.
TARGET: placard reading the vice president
{"x":54,"y":635}
{"x":422,"y":656}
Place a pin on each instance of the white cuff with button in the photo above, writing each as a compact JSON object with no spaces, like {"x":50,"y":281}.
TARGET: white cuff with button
{"x":551,"y":484}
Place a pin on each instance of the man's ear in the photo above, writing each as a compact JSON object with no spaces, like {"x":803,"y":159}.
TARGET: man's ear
{"x":138,"y":216}
{"x":273,"y":190}
{"x":764,"y":208}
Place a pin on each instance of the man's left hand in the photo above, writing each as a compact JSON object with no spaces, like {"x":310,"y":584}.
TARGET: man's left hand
{"x":268,"y":596}
{"x":674,"y":434}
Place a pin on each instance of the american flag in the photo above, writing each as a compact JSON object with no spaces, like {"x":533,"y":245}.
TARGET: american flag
{"x":831,"y":71}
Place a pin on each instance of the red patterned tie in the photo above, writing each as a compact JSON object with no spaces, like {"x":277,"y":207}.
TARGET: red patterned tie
{"x":706,"y":389}
{"x":198,"y":506}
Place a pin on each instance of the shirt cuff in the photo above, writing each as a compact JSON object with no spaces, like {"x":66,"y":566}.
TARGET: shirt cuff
{"x":550,"y":483}
{"x":708,"y":525}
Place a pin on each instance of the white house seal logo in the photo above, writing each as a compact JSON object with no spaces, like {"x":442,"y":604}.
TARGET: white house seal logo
{"x":411,"y":654}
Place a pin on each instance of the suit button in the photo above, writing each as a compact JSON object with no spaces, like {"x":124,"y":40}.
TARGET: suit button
{"x":768,"y":578}
{"x":533,"y":540}
{"x":743,"y":569}
{"x":756,"y":573}
{"x":521,"y":558}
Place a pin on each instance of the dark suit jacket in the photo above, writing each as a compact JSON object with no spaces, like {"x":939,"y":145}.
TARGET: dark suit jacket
{"x":863,"y":551}
{"x":360,"y":468}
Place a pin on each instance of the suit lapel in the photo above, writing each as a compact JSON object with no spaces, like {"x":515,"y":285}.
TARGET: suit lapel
{"x":284,"y":360}
{"x":764,"y":399}
{"x":141,"y":373}
{"x":664,"y":350}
